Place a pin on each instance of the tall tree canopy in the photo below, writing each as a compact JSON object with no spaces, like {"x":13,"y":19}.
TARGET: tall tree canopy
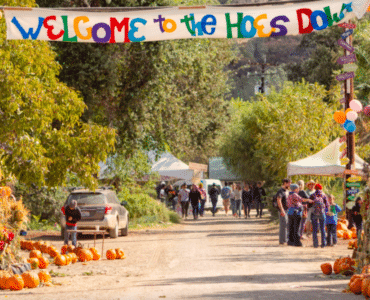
{"x":41,"y":135}
{"x":284,"y":126}
{"x":158,"y":95}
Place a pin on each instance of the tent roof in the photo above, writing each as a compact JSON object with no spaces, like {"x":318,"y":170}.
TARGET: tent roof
{"x":324,"y":162}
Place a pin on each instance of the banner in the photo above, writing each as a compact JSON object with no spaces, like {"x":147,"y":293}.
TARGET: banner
{"x":157,"y":24}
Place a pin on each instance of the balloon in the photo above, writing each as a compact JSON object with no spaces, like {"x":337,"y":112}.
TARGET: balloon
{"x":339,"y":117}
{"x":355,"y":105}
{"x":352,"y":116}
{"x":367,"y":110}
{"x":349,"y":126}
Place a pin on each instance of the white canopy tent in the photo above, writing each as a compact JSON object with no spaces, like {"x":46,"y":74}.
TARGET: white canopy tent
{"x":169,"y":165}
{"x":325,"y":162}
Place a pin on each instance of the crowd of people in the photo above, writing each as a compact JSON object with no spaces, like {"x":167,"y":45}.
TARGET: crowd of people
{"x":234,"y":198}
{"x":300,"y":211}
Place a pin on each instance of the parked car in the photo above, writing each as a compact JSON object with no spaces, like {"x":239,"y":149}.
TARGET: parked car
{"x":99,"y":210}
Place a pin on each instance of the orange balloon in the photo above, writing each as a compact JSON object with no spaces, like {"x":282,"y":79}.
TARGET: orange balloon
{"x":340,"y":117}
{"x":347,"y":110}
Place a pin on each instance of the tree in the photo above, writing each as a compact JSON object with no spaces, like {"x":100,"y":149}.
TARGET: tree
{"x":281,"y":127}
{"x":158,"y":95}
{"x":42,"y":137}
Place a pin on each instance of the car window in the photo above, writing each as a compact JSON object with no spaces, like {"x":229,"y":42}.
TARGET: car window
{"x":111,"y":198}
{"x":87,"y":198}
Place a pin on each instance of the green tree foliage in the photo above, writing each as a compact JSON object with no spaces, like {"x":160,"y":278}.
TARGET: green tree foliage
{"x":158,"y":95}
{"x":42,"y":137}
{"x":281,"y":127}
{"x":324,"y":52}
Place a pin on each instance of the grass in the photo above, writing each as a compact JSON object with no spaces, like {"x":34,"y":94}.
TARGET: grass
{"x":36,"y":224}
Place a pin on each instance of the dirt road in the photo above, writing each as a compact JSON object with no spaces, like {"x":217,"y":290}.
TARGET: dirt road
{"x":211,"y":258}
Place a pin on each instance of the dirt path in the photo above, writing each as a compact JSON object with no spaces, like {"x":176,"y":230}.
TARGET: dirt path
{"x":212,"y":258}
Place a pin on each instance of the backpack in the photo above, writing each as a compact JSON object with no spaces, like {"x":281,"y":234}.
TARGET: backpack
{"x":226,"y":193}
{"x":318,"y":206}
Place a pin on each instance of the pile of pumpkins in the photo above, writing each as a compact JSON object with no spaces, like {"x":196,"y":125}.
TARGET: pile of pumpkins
{"x":344,"y":232}
{"x":27,"y":280}
{"x":360,"y":283}
{"x":342,"y":265}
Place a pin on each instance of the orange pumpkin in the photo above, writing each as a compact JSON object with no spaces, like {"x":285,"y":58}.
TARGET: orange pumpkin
{"x":353,"y":277}
{"x":96,"y":256}
{"x":77,"y":250}
{"x":15,"y":282}
{"x":356,"y":286}
{"x":68,"y":259}
{"x":354,"y":234}
{"x":37,"y":245}
{"x":73,"y":257}
{"x":110,"y":254}
{"x":30,"y":279}
{"x":44,"y":276}
{"x":84,"y":255}
{"x":351,"y":244}
{"x":60,"y":260}
{"x":44,"y":247}
{"x":342,"y":226}
{"x":347,"y":234}
{"x":53,"y":252}
{"x":365,"y":284}
{"x":43,"y":263}
{"x":71,"y":249}
{"x":93,"y":250}
{"x":34,"y":262}
{"x":326,"y":268}
{"x":340,"y":233}
{"x":23,"y":244}
{"x":64,"y":249}
{"x":35,"y":254}
{"x":366,"y":269}
{"x":119,"y":253}
{"x":4,"y":276}
{"x":336,"y":268}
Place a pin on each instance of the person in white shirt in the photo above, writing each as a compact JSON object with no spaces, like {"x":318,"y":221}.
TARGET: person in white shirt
{"x":183,"y":198}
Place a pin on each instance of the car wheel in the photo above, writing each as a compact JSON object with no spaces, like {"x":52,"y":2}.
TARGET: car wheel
{"x":124,"y":231}
{"x":113,"y":233}
{"x":62,"y":229}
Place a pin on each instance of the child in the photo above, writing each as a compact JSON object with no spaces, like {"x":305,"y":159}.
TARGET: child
{"x":357,"y":218}
{"x":331,"y":221}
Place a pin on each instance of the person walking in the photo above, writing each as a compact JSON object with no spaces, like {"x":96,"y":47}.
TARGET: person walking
{"x":171,"y":195}
{"x":357,"y":217}
{"x":295,"y":209}
{"x":331,"y":221}
{"x":232,"y":199}
{"x":213,"y":194}
{"x":203,"y":196}
{"x":318,"y":216}
{"x":247,"y":199}
{"x":281,"y":197}
{"x":238,"y":200}
{"x":226,"y":195}
{"x":258,"y":194}
{"x":194,"y":197}
{"x":72,"y":214}
{"x":303,"y":194}
{"x":183,"y":199}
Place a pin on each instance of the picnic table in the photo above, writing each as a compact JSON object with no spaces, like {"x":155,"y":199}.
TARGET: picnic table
{"x":93,"y":232}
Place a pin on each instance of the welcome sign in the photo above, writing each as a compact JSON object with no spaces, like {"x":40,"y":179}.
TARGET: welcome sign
{"x":156,"y":24}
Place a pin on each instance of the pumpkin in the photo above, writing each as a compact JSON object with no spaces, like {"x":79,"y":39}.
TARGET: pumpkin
{"x":110,"y":254}
{"x":68,"y":259}
{"x":43,"y":263}
{"x":365,"y":285}
{"x":356,"y":286}
{"x":15,"y":282}
{"x":355,"y":244}
{"x":341,"y":226}
{"x":336,"y":268}
{"x":44,"y":247}
{"x":355,"y":276}
{"x":96,"y":256}
{"x":353,"y":229}
{"x":93,"y":250}
{"x":77,"y":250}
{"x":60,"y":260}
{"x":347,"y":234}
{"x":351,"y":244}
{"x":34,"y":262}
{"x":84,"y":255}
{"x":30,"y":279}
{"x":23,"y":244}
{"x":44,"y":276}
{"x":29,"y":245}
{"x":354,"y":234}
{"x":70,"y":249}
{"x":52,"y":251}
{"x":64,"y":249}
{"x":119,"y":253}
{"x":366,"y":269}
{"x":4,"y":276}
{"x":37,"y":245}
{"x":326,"y":268}
{"x":73,"y":257}
{"x":340,"y":233}
{"x":35,"y":254}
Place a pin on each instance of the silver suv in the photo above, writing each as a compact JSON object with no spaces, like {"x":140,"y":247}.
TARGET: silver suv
{"x":99,"y":210}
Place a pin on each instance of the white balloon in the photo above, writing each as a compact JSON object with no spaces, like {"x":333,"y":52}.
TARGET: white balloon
{"x":352,"y":116}
{"x":355,"y":105}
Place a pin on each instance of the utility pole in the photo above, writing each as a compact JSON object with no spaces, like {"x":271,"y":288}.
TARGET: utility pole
{"x":350,"y":136}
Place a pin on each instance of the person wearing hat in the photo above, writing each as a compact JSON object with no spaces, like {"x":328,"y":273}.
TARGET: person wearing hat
{"x":318,"y":215}
{"x":295,"y":210}
{"x":310,"y":190}
{"x":73,"y":215}
{"x":213,"y":194}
